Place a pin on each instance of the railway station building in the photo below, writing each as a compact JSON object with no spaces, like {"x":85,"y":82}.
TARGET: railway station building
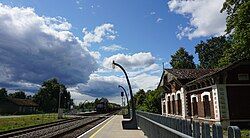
{"x":208,"y":95}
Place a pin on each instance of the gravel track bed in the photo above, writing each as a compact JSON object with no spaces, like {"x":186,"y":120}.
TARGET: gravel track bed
{"x":83,"y":129}
{"x":70,"y":128}
{"x":77,"y":132}
{"x":54,"y":130}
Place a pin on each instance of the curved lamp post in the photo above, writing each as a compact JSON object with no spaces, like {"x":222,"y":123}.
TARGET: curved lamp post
{"x":132,"y":123}
{"x":127,"y":115}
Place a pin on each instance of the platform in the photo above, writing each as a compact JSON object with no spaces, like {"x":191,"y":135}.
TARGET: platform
{"x":112,"y":128}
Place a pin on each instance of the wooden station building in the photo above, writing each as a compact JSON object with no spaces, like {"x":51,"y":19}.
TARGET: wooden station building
{"x":212,"y":95}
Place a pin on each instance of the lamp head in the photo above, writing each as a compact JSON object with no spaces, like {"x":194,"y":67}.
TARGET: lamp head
{"x":113,"y":64}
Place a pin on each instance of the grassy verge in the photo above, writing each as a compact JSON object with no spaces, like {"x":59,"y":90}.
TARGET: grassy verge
{"x":26,"y":121}
{"x":245,"y":133}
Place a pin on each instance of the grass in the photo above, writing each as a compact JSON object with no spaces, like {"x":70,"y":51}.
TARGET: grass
{"x":245,"y":133}
{"x":26,"y":121}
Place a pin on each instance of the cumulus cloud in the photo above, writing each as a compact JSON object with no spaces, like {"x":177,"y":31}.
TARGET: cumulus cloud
{"x":145,"y":81}
{"x":58,"y":23}
{"x":141,"y":68}
{"x":78,"y":96}
{"x":152,"y":69}
{"x":113,"y":48}
{"x":21,"y":85}
{"x":144,"y":75}
{"x":99,"y":86}
{"x":95,"y":54}
{"x":107,"y":86}
{"x":138,"y":60}
{"x":204,"y":17}
{"x":99,"y":33}
{"x":35,"y":48}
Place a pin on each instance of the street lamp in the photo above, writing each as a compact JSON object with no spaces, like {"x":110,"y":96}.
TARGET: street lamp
{"x":127,"y":115}
{"x":59,"y":103}
{"x":132,"y":123}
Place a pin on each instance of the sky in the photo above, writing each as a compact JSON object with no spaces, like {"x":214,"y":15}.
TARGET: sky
{"x":76,"y":41}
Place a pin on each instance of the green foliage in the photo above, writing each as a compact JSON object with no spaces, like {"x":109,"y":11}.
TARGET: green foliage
{"x":238,"y":25}
{"x":139,"y":98}
{"x":86,"y":106}
{"x":151,"y":100}
{"x":211,"y":51}
{"x":19,"y":94}
{"x":3,"y":93}
{"x":182,"y":60}
{"x":48,"y":96}
{"x":96,"y":102}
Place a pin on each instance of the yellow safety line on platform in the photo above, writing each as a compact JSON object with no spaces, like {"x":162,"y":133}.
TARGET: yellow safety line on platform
{"x":93,"y":135}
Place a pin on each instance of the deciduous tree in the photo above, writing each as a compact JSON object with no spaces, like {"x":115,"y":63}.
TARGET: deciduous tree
{"x":139,"y":98}
{"x":238,"y":25}
{"x":211,"y":51}
{"x":19,"y":94}
{"x":48,"y":96}
{"x":3,"y":93}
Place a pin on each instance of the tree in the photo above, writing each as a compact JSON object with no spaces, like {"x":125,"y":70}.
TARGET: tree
{"x":238,"y":26}
{"x":151,"y":102}
{"x":96,"y":102}
{"x":19,"y":94}
{"x":211,"y":51}
{"x":182,"y":60}
{"x":48,"y":96}
{"x":3,"y":93}
{"x":140,"y":97}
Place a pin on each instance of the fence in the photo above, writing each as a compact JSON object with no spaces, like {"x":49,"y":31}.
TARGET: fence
{"x":157,"y":126}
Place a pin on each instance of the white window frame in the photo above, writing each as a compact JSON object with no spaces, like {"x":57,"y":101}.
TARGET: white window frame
{"x":178,"y":92}
{"x":204,"y":94}
{"x":171,"y":97}
{"x":196,"y":96}
{"x":168,"y":95}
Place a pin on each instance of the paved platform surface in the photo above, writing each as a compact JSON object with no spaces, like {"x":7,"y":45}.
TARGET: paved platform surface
{"x":112,"y":128}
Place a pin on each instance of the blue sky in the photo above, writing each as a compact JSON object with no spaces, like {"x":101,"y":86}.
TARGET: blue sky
{"x":138,"y":30}
{"x":150,"y":30}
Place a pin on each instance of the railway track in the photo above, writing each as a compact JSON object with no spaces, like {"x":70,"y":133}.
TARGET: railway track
{"x":68,"y":128}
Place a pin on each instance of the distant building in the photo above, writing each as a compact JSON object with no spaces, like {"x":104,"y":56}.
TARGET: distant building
{"x":216,"y":96}
{"x":17,"y":106}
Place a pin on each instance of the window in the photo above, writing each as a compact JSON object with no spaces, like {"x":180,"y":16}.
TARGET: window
{"x":173,"y":104}
{"x":169,"y":105}
{"x":243,"y":77}
{"x":206,"y":104}
{"x":194,"y":106}
{"x":164,"y":107}
{"x":179,"y":104}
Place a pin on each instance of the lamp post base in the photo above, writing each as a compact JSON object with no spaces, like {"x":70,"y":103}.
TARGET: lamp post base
{"x":60,"y":113}
{"x":127,"y":116}
{"x":129,"y":124}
